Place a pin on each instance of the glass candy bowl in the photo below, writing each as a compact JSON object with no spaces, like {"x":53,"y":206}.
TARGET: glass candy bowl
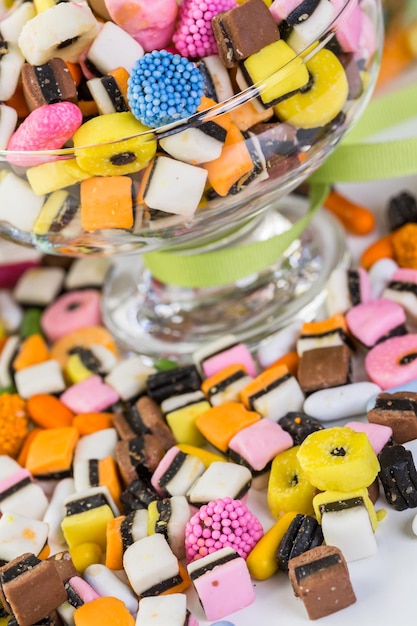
{"x":219,"y":178}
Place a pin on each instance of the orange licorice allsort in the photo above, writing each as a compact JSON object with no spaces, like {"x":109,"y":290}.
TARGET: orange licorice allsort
{"x":357,"y":219}
{"x":48,"y":411}
{"x":88,"y":423}
{"x":380,"y":249}
{"x":290,"y":360}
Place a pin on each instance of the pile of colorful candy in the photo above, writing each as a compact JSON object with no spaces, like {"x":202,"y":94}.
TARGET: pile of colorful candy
{"x":124,"y":484}
{"x":163,"y":111}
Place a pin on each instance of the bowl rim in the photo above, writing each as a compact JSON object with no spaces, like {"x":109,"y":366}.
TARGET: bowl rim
{"x":200,"y":117}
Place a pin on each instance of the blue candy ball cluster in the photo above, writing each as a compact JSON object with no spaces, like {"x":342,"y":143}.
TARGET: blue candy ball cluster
{"x":164,"y":88}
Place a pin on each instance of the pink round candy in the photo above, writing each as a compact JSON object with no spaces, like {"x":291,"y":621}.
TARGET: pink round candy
{"x":150,"y":23}
{"x":393,"y":362}
{"x":221,"y":523}
{"x":71,"y":311}
{"x":48,"y":127}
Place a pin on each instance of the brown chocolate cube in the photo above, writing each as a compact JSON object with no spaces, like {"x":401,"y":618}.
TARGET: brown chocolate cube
{"x":399,"y":411}
{"x":48,"y":83}
{"x":322,"y":368}
{"x":244,"y":30}
{"x":320,"y":577}
{"x":31,"y":589}
{"x":138,"y":457}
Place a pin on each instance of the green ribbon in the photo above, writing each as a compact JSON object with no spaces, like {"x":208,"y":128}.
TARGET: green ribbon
{"x":354,"y":160}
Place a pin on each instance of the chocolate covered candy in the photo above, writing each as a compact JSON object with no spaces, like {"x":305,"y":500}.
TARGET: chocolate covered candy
{"x":321,"y":579}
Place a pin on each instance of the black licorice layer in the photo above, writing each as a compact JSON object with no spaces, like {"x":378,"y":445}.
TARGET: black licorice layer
{"x":156,"y":590}
{"x":94,"y":472}
{"x":341,"y":505}
{"x":26,"y":564}
{"x":267,"y":389}
{"x":164,"y":510}
{"x":176,"y":381}
{"x":354,"y":288}
{"x":114,"y":93}
{"x":201,"y":571}
{"x":48,"y":83}
{"x":15,"y":488}
{"x":226,"y":382}
{"x":402,"y":405}
{"x":84,"y":505}
{"x":304,"y":10}
{"x":176,"y":465}
{"x":74,"y":599}
{"x":403,"y":287}
{"x":309,"y":569}
{"x":126,"y":530}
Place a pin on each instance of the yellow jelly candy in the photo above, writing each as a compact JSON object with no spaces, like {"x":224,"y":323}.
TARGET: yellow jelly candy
{"x":289,"y":488}
{"x":182,"y":423}
{"x":262,"y":559}
{"x":338,"y":459}
{"x":278,"y":70}
{"x":54,"y":175}
{"x":113,"y":144}
{"x":85,"y":554}
{"x":326,"y":97}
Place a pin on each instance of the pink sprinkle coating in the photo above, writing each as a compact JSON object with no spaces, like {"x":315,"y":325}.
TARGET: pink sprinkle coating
{"x":221,"y":523}
{"x":193,"y":36}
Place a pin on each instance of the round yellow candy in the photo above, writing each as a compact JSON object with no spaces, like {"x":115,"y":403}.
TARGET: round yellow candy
{"x":113,"y":144}
{"x":338,"y":459}
{"x":85,"y":554}
{"x":323,"y":101}
{"x":288,"y":487}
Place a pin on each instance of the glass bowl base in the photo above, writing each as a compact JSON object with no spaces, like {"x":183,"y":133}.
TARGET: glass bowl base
{"x":159,"y":320}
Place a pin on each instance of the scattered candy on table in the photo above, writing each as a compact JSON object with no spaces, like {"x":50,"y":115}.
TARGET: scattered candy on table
{"x":131,"y":490}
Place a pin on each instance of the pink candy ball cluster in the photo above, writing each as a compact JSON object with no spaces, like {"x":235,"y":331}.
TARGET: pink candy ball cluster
{"x":193,"y":35}
{"x":221,"y":523}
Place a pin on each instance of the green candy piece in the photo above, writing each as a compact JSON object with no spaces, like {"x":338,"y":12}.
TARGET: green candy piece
{"x":31,"y":323}
{"x":10,"y":389}
{"x":165,"y":364}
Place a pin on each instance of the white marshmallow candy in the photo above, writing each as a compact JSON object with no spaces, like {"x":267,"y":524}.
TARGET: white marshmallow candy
{"x":11,"y":313}
{"x":64,"y":30}
{"x":98,"y":445}
{"x":174,"y":187}
{"x":8,"y":121}
{"x":87,"y":272}
{"x":129,"y":377}
{"x":170,"y":610}
{"x":149,"y":563}
{"x":19,"y":205}
{"x":39,"y":286}
{"x":20,"y":534}
{"x":350,"y":530}
{"x":220,"y":480}
{"x":114,"y":47}
{"x":46,"y":377}
{"x":11,"y":26}
{"x":6,"y":356}
{"x":305,"y":33}
{"x":11,"y":63}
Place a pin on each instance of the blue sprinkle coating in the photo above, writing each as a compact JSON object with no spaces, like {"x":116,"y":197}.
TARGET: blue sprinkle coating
{"x":164,"y":88}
